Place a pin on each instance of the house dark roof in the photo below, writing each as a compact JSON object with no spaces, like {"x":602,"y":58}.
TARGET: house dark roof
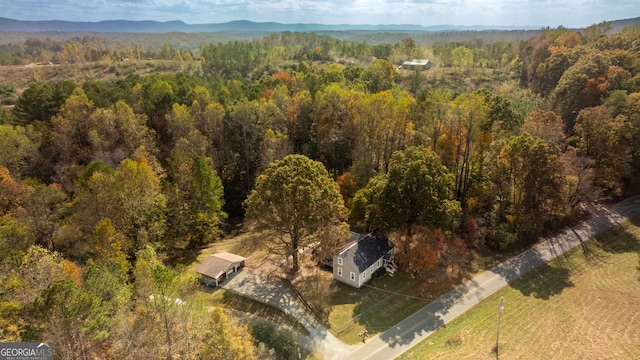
{"x":217,"y":264}
{"x":364,"y":250}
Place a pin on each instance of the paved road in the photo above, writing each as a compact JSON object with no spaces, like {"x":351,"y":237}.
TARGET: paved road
{"x":271,"y":290}
{"x":423,"y":323}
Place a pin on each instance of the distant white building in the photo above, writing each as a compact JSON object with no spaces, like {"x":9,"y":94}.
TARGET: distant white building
{"x":415,"y":63}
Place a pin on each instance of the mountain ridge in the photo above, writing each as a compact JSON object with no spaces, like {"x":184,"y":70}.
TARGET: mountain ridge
{"x":150,"y":26}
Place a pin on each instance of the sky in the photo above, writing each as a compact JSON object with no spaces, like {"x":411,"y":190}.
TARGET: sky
{"x":576,"y":13}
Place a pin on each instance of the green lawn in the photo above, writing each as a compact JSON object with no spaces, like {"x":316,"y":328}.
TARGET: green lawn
{"x":585,"y":305}
{"x":377,"y":307}
{"x":351,"y":310}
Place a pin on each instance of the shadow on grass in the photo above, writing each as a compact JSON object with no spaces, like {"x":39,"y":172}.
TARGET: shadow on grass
{"x":350,"y":307}
{"x":390,"y":308}
{"x":430,"y":317}
{"x":638,"y":268}
{"x":247,"y":245}
{"x":379,"y":306}
{"x":549,"y":280}
{"x":545,"y":282}
{"x":621,"y":238}
{"x":183,"y":257}
{"x":591,"y":256}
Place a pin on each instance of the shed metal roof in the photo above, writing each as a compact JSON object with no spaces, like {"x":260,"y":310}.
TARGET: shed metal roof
{"x":217,"y":264}
{"x":416,"y":62}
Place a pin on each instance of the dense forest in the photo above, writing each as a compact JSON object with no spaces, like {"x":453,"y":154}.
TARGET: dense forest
{"x":104,"y":181}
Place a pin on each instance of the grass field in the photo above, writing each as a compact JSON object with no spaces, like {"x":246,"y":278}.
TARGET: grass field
{"x":585,"y":305}
{"x":22,"y":76}
{"x":370,"y":308}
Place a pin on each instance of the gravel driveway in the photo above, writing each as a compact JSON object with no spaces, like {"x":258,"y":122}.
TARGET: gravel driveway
{"x":258,"y":285}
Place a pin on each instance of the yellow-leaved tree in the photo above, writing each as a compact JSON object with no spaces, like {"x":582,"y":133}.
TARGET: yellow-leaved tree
{"x":297,"y":199}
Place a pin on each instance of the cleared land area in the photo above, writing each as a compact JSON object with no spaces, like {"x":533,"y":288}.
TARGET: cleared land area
{"x":583,"y":305}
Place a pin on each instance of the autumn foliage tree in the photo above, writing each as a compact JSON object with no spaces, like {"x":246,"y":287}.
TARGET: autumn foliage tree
{"x":419,"y":249}
{"x":418,"y":190}
{"x":130,"y":196}
{"x":296,"y":199}
{"x":545,"y":125}
{"x":529,"y":177}
{"x":194,"y":204}
{"x":607,"y":141}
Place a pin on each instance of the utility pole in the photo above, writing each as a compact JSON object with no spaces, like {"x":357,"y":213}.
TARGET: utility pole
{"x":500,"y":311}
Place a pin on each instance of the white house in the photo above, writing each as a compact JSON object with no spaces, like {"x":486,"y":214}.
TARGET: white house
{"x":361,"y":257}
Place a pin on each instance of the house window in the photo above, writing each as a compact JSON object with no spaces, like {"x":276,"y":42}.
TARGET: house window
{"x":378,"y":263}
{"x":352,"y":275}
{"x":339,"y":271}
{"x":371,"y":270}
{"x":339,"y":261}
{"x":364,"y":275}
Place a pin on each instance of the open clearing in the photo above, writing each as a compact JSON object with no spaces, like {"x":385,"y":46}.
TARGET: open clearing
{"x":584,"y":305}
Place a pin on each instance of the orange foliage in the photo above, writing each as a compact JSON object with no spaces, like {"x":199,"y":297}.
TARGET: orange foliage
{"x":286,"y":78}
{"x":71,"y":271}
{"x":613,"y":70}
{"x":595,"y":89}
{"x":571,"y":40}
{"x":557,"y":49}
{"x":11,"y":192}
{"x":142,"y":160}
{"x":454,"y":254}
{"x":419,"y":249}
{"x":618,"y":77}
{"x":348,"y":187}
{"x":283,"y":76}
{"x":470,"y":225}
{"x":485,"y":137}
{"x":266,"y":94}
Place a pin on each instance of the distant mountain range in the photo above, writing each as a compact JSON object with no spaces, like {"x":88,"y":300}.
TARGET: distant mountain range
{"x":125,"y":26}
{"x":240,"y":25}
